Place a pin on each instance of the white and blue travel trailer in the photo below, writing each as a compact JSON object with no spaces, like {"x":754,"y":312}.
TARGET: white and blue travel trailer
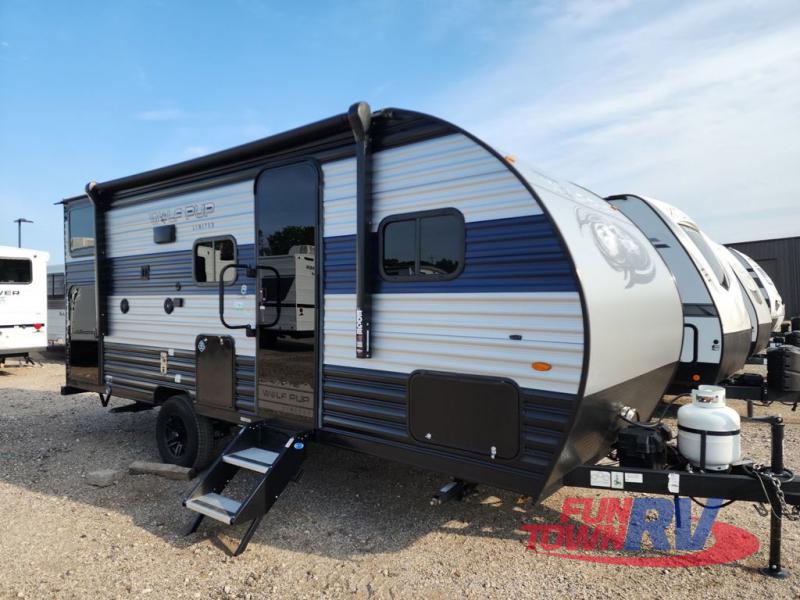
{"x":757,"y":308}
{"x":470,"y":316}
{"x":767,"y":287}
{"x":717,"y":334}
{"x":56,"y":305}
{"x":23,"y":301}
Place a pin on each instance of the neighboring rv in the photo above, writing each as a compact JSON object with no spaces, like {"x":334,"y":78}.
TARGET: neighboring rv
{"x":23,"y":301}
{"x":459,"y":312}
{"x":767,"y":287}
{"x":758,"y":310}
{"x":289,"y":291}
{"x":717,"y":333}
{"x":56,"y":305}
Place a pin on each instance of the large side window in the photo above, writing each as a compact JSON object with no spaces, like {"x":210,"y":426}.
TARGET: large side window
{"x":16,"y":270}
{"x":211,"y":255}
{"x":708,"y":253}
{"x":81,"y":230}
{"x":422,"y":246}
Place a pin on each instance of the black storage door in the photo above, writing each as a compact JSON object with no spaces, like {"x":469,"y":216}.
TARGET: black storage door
{"x":475,"y":414}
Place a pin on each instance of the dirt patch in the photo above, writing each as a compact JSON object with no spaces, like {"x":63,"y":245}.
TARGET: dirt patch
{"x":355,"y":526}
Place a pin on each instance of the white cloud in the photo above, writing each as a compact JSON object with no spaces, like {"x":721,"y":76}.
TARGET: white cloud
{"x":164,"y":114}
{"x":585,"y":14}
{"x":699,"y":107}
{"x":195,"y":151}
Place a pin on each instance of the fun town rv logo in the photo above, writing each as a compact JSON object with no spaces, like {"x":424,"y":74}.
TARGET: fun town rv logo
{"x":612,"y":531}
{"x":621,"y":250}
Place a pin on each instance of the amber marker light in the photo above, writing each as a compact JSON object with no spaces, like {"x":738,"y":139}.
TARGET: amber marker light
{"x":541,"y":366}
{"x":695,"y":377}
{"x":510,"y":159}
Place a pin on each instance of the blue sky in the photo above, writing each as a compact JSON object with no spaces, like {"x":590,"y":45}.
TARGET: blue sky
{"x":694,"y":103}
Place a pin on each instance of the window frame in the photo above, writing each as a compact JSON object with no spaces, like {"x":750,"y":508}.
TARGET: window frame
{"x":417,"y":216}
{"x":51,"y":285}
{"x":86,"y":250}
{"x":21,"y":259}
{"x":215,"y":238}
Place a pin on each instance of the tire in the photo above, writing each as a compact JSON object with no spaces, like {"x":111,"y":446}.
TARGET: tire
{"x":184,"y":438}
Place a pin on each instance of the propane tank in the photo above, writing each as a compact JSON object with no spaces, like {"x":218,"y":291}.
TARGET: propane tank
{"x":708,"y":430}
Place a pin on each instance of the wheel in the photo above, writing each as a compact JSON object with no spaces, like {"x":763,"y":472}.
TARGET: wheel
{"x":184,"y":438}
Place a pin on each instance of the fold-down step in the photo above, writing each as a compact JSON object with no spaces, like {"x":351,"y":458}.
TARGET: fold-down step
{"x":216,"y":506}
{"x":272,"y":455}
{"x":253,"y":459}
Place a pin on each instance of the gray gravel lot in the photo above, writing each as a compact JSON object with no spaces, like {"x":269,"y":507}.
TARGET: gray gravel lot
{"x":355,"y":526}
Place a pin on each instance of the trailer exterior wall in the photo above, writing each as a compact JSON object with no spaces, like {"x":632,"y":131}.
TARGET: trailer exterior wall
{"x":780,"y":258}
{"x":517,"y":303}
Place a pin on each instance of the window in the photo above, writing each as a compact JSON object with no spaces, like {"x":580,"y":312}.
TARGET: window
{"x":708,"y":254}
{"x":211,"y":256}
{"x":55,"y":285}
{"x":81,"y":230}
{"x":15,"y":270}
{"x":423,"y":246}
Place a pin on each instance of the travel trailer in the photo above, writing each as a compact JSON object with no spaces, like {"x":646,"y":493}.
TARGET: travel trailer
{"x":460,"y":312}
{"x":471,"y":316}
{"x":767,"y":287}
{"x":56,"y":305}
{"x":23,"y":301}
{"x":758,"y":310}
{"x":717,"y":333}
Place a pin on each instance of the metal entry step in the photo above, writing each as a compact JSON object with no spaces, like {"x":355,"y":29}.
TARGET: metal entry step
{"x":218,"y":507}
{"x":252,"y":459}
{"x":271,"y":453}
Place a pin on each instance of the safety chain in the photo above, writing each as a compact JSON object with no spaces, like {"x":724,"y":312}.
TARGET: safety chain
{"x":791,"y":513}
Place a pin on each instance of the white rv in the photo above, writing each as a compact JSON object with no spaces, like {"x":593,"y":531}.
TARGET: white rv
{"x":56,"y":305}
{"x":767,"y":287}
{"x":289,"y":291}
{"x":23,"y":301}
{"x":717,"y":333}
{"x":758,"y":310}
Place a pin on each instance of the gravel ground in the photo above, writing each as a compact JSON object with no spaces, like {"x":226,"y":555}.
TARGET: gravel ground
{"x":355,"y":526}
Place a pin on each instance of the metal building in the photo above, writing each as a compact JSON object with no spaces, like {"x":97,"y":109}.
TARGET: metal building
{"x":780,"y":258}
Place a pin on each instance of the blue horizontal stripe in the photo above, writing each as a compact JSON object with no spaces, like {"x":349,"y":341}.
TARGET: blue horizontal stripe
{"x":167,"y":269}
{"x":520,"y":254}
{"x":79,"y":273}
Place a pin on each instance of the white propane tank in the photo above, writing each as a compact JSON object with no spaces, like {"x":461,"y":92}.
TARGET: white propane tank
{"x":708,"y":416}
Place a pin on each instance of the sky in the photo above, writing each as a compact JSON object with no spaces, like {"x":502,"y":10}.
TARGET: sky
{"x":695,"y":103}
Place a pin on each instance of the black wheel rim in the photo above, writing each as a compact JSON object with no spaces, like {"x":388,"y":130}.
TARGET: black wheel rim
{"x":176,"y":436}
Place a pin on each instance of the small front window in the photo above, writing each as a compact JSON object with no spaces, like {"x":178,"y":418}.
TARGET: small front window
{"x":81,"y":230}
{"x":211,"y":256}
{"x":55,"y":285}
{"x":16,"y":270}
{"x":423,"y":246}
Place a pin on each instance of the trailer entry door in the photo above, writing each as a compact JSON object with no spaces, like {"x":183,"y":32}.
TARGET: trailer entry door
{"x":286,"y":206}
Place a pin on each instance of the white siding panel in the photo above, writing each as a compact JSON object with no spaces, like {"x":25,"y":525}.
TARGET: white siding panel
{"x":147,"y":324}
{"x":339,"y":198}
{"x":465,"y":333}
{"x":130,"y":228}
{"x":450,"y":171}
